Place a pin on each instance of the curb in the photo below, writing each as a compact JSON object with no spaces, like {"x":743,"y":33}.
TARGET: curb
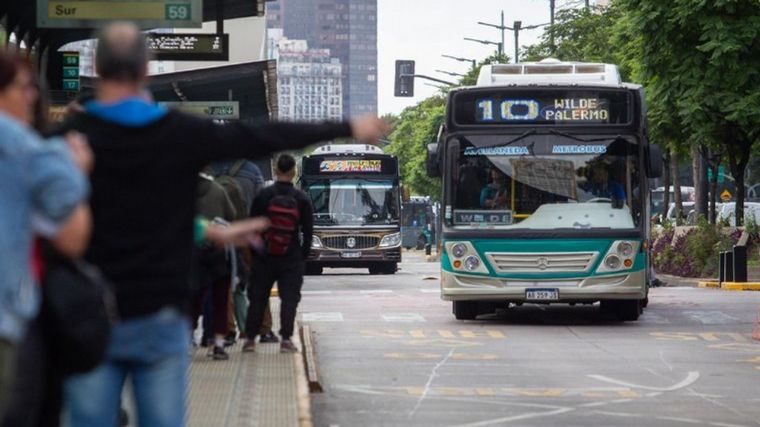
{"x":730,"y":286}
{"x":302,"y":383}
{"x":709,"y":284}
{"x":736,"y":286}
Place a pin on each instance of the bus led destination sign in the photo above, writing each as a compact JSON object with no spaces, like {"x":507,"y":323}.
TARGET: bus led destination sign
{"x":542,"y":106}
{"x":189,"y":47}
{"x":361,"y":166}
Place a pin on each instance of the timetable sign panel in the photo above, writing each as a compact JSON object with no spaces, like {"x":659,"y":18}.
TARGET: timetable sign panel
{"x":189,"y":47}
{"x":95,"y":13}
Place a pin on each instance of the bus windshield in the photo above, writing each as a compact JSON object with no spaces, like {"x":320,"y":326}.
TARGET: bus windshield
{"x":545,"y":182}
{"x":353,"y":202}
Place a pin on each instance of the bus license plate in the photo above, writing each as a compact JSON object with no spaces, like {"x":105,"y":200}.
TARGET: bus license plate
{"x":542,"y":294}
{"x":353,"y":254}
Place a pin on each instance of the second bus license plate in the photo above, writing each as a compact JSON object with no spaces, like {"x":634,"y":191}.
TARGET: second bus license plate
{"x":542,"y":294}
{"x":353,"y":254}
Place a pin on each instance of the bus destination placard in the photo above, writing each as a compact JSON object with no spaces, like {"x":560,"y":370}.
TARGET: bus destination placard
{"x":542,"y":107}
{"x":359,"y":166}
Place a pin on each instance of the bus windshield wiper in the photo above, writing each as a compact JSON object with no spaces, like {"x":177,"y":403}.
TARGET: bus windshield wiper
{"x":578,"y":138}
{"x":511,"y":141}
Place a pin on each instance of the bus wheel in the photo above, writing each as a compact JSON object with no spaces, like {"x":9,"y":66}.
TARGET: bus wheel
{"x":312,"y":270}
{"x":421,"y":242}
{"x":466,"y":310}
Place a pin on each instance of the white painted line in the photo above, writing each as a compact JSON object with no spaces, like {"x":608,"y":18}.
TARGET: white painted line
{"x":316,"y":292}
{"x":593,"y":404}
{"x":375,"y":291}
{"x":711,"y":317}
{"x":322,"y":317}
{"x":403,"y":317}
{"x":430,"y":291}
{"x":727,"y":425}
{"x":679,"y":419}
{"x":650,"y":317}
{"x":690,"y":379}
{"x":619,"y":414}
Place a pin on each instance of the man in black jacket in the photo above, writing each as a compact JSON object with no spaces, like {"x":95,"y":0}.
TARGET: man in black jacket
{"x":143,"y":200}
{"x":286,"y":267}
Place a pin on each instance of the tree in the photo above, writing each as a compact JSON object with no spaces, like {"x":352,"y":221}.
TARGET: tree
{"x":416,"y":127}
{"x":701,"y":61}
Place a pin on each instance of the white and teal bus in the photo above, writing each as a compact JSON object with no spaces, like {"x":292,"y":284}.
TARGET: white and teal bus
{"x":545,"y":171}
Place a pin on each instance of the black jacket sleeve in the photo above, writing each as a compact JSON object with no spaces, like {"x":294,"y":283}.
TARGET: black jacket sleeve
{"x":239,"y":140}
{"x":307,"y":225}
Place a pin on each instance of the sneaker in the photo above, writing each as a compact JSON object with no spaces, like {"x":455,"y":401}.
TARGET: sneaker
{"x":269,"y":337}
{"x":287,"y":346}
{"x":249,"y":346}
{"x":220,"y":354}
{"x":230,"y":340}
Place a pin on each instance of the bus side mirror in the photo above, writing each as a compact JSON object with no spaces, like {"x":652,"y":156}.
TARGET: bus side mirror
{"x":654,"y":161}
{"x":432,"y":162}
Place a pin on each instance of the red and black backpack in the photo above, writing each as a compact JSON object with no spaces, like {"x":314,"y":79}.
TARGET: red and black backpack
{"x":283,"y":215}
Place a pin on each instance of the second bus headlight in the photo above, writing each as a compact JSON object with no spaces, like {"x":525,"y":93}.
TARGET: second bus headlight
{"x":391,"y":240}
{"x":471,"y":263}
{"x":612,"y":262}
{"x":625,"y":249}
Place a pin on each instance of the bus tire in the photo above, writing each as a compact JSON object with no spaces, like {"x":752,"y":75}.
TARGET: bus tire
{"x":465,"y":310}
{"x":313,"y":270}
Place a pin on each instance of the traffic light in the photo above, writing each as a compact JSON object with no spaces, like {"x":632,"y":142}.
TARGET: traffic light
{"x":404,"y":78}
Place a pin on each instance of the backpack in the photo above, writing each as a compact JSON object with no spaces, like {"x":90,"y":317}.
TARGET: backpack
{"x":283,"y":216}
{"x":78,"y":310}
{"x":234,"y":190}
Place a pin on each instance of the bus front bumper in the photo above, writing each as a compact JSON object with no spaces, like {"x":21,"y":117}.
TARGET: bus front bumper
{"x":459,"y":287}
{"x":357,"y":259}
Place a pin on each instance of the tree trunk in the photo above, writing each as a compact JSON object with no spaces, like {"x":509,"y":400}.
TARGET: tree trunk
{"x":738,"y":149}
{"x":676,"y":187}
{"x":714,"y":167}
{"x":666,"y":195}
{"x":699,"y":172}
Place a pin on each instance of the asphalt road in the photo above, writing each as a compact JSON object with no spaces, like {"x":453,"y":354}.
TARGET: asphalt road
{"x":390,"y":353}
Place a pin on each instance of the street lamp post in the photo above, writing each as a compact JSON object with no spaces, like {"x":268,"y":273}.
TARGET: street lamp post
{"x":500,"y":47}
{"x":451,"y":73}
{"x":517,"y":26}
{"x":457,"y":58}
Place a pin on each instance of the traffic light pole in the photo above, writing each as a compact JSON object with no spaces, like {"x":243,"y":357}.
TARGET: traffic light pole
{"x":422,"y":76}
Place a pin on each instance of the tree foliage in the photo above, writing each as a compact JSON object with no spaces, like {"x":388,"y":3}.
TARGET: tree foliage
{"x":416,"y":127}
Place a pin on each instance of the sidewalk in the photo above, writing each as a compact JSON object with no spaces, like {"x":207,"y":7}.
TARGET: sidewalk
{"x":262,"y":389}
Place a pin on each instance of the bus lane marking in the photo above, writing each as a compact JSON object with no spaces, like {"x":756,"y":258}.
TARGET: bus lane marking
{"x":711,"y":317}
{"x":322,"y":317}
{"x":698,"y":336}
{"x":690,"y":379}
{"x":403,"y":317}
{"x":423,"y":334}
{"x":455,"y":356}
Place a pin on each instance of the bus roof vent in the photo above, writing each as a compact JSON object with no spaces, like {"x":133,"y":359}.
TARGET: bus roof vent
{"x":549,"y":71}
{"x":348,"y":149}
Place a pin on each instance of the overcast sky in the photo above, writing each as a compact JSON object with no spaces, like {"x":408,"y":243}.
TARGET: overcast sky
{"x":423,"y":30}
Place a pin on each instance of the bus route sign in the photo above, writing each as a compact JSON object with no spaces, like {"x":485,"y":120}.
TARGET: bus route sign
{"x":95,"y":13}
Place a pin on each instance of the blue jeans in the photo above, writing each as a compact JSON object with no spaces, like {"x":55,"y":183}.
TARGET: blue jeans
{"x":153,"y":351}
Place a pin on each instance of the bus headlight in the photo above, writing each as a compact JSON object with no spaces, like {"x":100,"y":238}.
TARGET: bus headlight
{"x":316,"y":242}
{"x":625,"y":249}
{"x":391,"y":240}
{"x":471,"y":263}
{"x":458,"y":250}
{"x":612,"y":262}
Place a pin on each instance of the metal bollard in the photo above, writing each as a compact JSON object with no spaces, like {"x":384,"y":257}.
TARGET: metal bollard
{"x":428,"y":249}
{"x":729,"y":266}
{"x":721,"y":267}
{"x":740,"y":264}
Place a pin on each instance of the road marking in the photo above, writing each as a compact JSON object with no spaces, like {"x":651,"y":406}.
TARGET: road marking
{"x":690,"y":379}
{"x":443,"y":343}
{"x":711,"y":317}
{"x":618,"y":414}
{"x":403,"y":317}
{"x":322,"y":317}
{"x":738,"y":346}
{"x":375,"y":291}
{"x":701,"y":336}
{"x":430,"y":291}
{"x":316,"y":292}
{"x":441,"y":333}
{"x":679,"y":419}
{"x":433,"y":374}
{"x":727,"y":425}
{"x":456,"y":356}
{"x":529,"y":415}
{"x":650,"y":317}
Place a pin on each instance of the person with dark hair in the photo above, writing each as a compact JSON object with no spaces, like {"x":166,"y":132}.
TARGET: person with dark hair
{"x":283,"y":259}
{"x":144,"y":205}
{"x":42,"y":192}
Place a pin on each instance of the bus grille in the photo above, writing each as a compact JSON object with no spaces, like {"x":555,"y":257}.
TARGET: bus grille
{"x":557,"y":262}
{"x":343,"y":242}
